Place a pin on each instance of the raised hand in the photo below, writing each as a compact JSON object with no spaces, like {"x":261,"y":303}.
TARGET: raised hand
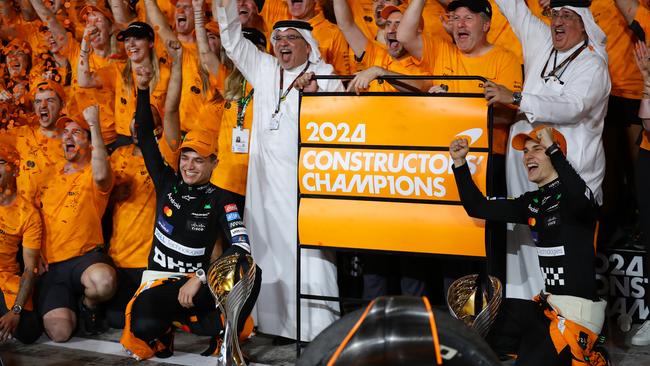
{"x":458,"y":150}
{"x":143,"y":76}
{"x":175,"y":50}
{"x":306,"y":83}
{"x":545,"y":136}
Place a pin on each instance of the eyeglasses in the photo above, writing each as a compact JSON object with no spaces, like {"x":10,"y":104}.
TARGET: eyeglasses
{"x":457,"y":18}
{"x":288,"y":37}
{"x":565,"y":16}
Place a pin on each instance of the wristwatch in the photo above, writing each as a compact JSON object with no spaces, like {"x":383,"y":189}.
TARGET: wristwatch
{"x":16,"y":309}
{"x":516,"y":98}
{"x":200,"y":274}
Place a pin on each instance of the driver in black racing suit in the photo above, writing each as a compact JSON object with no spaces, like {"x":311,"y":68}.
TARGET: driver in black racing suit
{"x":193,"y":218}
{"x":563,"y":324}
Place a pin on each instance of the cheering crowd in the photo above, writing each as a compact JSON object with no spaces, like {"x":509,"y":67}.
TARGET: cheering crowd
{"x":142,"y":140}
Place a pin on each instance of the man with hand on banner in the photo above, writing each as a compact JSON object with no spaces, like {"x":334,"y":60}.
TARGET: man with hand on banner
{"x":271,"y":191}
{"x":561,"y":214}
{"x":567,"y":85}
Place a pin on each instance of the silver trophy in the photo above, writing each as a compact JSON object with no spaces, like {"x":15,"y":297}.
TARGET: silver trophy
{"x":230,"y":298}
{"x":461,"y":298}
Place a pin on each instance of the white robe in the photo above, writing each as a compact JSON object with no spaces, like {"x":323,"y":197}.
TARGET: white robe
{"x":577,"y":109}
{"x":271,"y":193}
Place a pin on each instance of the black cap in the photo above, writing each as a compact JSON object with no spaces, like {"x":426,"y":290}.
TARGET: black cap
{"x":575,"y":3}
{"x":254,"y":35}
{"x":260,"y":4}
{"x":297,"y":24}
{"x":476,"y":6}
{"x":137,"y":30}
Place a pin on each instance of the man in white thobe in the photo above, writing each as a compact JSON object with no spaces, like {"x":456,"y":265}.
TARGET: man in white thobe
{"x":567,"y":85}
{"x":271,"y":191}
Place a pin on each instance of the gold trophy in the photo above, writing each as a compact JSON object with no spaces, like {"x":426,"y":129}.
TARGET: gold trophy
{"x":461,"y":298}
{"x":230,"y":298}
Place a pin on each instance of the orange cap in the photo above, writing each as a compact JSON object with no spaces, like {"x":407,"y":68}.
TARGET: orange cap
{"x":8,"y":152}
{"x":390,"y":9}
{"x":204,"y":142}
{"x":212,"y":27}
{"x":519,"y":141}
{"x":83,"y":14}
{"x":47,"y":84}
{"x":64,"y":120}
{"x":17,"y":44}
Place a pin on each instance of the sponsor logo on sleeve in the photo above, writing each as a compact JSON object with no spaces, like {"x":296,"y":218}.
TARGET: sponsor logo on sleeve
{"x":238,"y":231}
{"x":240,"y":239}
{"x":230,"y":208}
{"x":232,"y":216}
{"x":165,"y":226}
{"x":235,"y":224}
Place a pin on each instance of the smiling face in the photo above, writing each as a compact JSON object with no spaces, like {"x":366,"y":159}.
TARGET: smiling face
{"x":469,"y":30}
{"x":184,"y":17}
{"x":196,"y":169}
{"x":291,"y":53}
{"x":302,"y":9}
{"x":17,"y":64}
{"x":101,"y":38}
{"x":395,"y":49}
{"x":538,"y":165}
{"x":47,"y":107}
{"x":247,"y":11}
{"x":214,"y":42}
{"x":138,"y":49}
{"x":76,"y":143}
{"x":567,"y":29}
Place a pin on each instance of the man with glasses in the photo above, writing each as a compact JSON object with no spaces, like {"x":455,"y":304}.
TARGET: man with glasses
{"x":567,"y":86}
{"x":271,"y":202}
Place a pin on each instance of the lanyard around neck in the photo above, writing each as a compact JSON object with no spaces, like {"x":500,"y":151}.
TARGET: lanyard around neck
{"x":242,"y":103}
{"x":283,"y":96}
{"x":563,"y":65}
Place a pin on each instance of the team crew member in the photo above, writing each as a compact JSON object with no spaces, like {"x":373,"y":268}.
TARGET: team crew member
{"x":78,"y":277}
{"x":39,"y":145}
{"x":375,"y":59}
{"x":192,"y":218}
{"x":18,"y":66}
{"x":20,"y":225}
{"x":561,"y":214}
{"x":331,"y":42}
{"x":567,"y":84}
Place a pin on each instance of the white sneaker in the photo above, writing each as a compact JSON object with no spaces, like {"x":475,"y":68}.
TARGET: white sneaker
{"x":642,"y":335}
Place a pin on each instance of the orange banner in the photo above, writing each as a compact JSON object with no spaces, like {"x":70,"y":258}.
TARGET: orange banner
{"x":374,"y":172}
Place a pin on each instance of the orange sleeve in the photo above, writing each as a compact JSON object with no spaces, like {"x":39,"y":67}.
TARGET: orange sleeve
{"x":430,"y":49}
{"x":642,"y":16}
{"x":33,"y":227}
{"x":372,"y":56}
{"x":169,"y":155}
{"x":510,"y":72}
{"x":107,"y":75}
{"x":339,"y":53}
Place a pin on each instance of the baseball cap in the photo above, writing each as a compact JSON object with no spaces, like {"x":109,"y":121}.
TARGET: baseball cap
{"x":212,"y":27}
{"x":17,"y":44}
{"x":476,"y":6}
{"x":8,"y":152}
{"x":389,"y":9}
{"x":47,"y":84}
{"x":204,"y":142}
{"x":138,"y":30}
{"x":64,"y":120}
{"x":519,"y":141}
{"x":100,"y":7}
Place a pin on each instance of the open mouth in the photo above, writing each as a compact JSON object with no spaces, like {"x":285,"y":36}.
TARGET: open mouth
{"x":285,"y":54}
{"x":391,"y":40}
{"x":463,"y":35}
{"x":181,"y":20}
{"x":44,"y":115}
{"x":532,"y":168}
{"x":243,"y":11}
{"x":296,"y":5}
{"x":70,"y":148}
{"x":558,"y":33}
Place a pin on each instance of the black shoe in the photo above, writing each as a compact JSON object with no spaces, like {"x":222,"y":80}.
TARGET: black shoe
{"x":91,"y":319}
{"x":167,"y":340}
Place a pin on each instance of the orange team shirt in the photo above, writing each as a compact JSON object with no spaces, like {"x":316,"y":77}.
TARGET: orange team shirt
{"x":501,"y":33}
{"x":167,"y":8}
{"x":431,"y":14}
{"x":72,"y":208}
{"x":627,"y":81}
{"x":81,"y":98}
{"x":125,"y":99}
{"x":643,"y":18}
{"x":133,"y":218}
{"x":274,"y":11}
{"x":332,"y":45}
{"x":363,"y":15}
{"x":377,"y":55}
{"x":498,"y":65}
{"x":39,"y":156}
{"x":20,"y":224}
{"x":232,"y":170}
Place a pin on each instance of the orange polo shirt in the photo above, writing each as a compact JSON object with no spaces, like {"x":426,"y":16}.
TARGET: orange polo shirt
{"x":431,"y":14}
{"x":72,"y":208}
{"x":274,"y":11}
{"x":501,"y":33}
{"x":498,"y":65}
{"x":39,"y":156}
{"x":364,"y":18}
{"x":232,"y":170}
{"x":20,"y":224}
{"x":332,"y":45}
{"x":627,"y":81}
{"x":133,"y":218}
{"x":377,"y":55}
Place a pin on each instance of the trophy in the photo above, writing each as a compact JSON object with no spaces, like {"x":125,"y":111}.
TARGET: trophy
{"x":462,"y":302}
{"x":230,"y":296}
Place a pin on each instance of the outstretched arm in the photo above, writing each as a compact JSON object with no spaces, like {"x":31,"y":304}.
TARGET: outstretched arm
{"x":87,"y":78}
{"x":407,"y":32}
{"x":48,"y":17}
{"x":345,"y":21}
{"x":121,"y":12}
{"x":171,"y":120}
{"x":628,"y":8}
{"x":102,"y":172}
{"x":159,"y":21}
{"x":208,"y":59}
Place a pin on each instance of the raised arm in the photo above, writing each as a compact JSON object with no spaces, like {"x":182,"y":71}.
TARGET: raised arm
{"x":86,"y":78}
{"x":121,"y":12}
{"x":473,"y":200}
{"x":159,"y":21}
{"x":345,"y":21}
{"x":171,"y":119}
{"x":526,"y":26}
{"x":407,"y":32}
{"x":48,"y":17}
{"x":27,"y":10}
{"x":208,"y":59}
{"x":102,"y":172}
